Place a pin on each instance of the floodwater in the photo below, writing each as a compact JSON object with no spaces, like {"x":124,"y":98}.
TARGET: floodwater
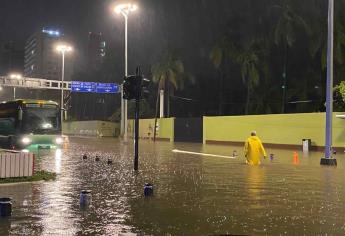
{"x":193,"y":195}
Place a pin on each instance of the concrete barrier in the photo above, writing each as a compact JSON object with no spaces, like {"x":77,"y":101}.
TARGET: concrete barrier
{"x":91,"y":128}
{"x":16,"y":164}
{"x":164,"y":129}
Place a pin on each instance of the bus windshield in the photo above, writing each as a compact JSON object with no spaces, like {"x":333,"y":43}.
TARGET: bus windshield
{"x":41,"y":119}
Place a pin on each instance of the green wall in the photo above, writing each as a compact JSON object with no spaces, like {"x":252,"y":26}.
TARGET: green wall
{"x":274,"y":129}
{"x":91,"y":128}
{"x":165,"y":128}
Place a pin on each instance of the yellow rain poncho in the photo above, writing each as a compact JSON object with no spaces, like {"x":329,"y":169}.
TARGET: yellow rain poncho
{"x":253,"y":150}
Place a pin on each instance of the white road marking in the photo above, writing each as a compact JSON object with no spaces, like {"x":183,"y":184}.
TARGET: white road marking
{"x":202,"y":154}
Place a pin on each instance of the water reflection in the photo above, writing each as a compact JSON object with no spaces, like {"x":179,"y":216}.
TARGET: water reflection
{"x":58,"y":155}
{"x":255,"y":183}
{"x":5,"y":226}
{"x":193,"y":195}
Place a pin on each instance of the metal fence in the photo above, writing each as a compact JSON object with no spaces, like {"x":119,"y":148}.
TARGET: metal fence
{"x":16,"y":164}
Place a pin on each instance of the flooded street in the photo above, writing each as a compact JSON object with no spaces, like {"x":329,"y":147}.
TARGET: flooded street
{"x":193,"y":195}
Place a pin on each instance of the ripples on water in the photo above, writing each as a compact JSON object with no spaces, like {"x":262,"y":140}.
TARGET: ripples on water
{"x":192,"y":195}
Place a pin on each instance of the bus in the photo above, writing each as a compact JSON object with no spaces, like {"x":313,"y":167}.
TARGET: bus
{"x":27,"y":124}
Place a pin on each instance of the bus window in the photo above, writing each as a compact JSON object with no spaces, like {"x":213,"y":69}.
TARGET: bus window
{"x":40,"y":120}
{"x":7,"y":126}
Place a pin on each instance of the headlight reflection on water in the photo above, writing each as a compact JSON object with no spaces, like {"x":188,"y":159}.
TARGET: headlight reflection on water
{"x":59,"y":140}
{"x":58,"y":155}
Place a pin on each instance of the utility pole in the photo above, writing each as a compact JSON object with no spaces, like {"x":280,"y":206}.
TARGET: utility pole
{"x":328,"y":160}
{"x":136,"y":117}
{"x":134,"y":87}
{"x":125,"y":9}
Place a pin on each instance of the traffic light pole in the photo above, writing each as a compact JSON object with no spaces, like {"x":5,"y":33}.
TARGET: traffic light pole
{"x":134,"y":88}
{"x":136,"y":120}
{"x":136,"y":135}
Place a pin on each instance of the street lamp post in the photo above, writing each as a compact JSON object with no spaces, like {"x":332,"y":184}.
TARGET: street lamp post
{"x":125,"y":10}
{"x":15,"y":76}
{"x":63,"y":49}
{"x":328,"y":160}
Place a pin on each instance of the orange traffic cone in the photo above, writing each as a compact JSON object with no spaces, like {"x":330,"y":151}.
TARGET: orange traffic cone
{"x":295,"y":158}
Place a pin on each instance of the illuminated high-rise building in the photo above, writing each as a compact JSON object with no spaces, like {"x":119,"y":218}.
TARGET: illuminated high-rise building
{"x":41,"y":58}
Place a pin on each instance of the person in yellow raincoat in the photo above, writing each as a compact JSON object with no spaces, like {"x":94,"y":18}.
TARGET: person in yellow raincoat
{"x":253,"y":149}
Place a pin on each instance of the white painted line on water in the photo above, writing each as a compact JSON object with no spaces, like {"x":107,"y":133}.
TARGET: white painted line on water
{"x":202,"y":154}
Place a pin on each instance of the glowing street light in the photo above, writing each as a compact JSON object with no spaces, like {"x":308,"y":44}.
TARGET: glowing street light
{"x":125,"y":9}
{"x":15,"y":76}
{"x":63,"y":49}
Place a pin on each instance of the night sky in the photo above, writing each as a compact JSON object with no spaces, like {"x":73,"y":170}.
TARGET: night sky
{"x":20,"y":18}
{"x":190,"y":26}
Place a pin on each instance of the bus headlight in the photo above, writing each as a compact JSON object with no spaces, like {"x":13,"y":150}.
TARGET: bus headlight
{"x":59,"y":140}
{"x":26,"y":140}
{"x":47,"y":126}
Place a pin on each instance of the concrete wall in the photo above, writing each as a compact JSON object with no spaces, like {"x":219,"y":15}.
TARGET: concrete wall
{"x":165,"y":128}
{"x":91,"y":128}
{"x":287,"y":129}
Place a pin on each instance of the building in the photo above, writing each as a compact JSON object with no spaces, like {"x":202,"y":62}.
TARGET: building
{"x":42,"y":60}
{"x":95,"y":51}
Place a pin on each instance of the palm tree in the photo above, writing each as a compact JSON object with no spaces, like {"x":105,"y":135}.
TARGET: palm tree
{"x":250,"y":73}
{"x":167,"y":73}
{"x":318,"y":45}
{"x":285,"y":34}
{"x":223,"y":50}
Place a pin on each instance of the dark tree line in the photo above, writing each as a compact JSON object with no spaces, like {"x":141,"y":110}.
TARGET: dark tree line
{"x":278,"y":49}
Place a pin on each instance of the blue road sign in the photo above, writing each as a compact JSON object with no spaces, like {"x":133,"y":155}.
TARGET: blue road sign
{"x":92,"y":87}
{"x":83,"y":87}
{"x":107,"y":88}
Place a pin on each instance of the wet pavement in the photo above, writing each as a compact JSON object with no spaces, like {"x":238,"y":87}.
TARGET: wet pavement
{"x":193,"y":195}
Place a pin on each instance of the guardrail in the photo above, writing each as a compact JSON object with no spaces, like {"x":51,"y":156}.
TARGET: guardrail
{"x":16,"y":164}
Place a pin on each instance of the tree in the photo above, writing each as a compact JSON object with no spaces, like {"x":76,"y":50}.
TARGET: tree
{"x":167,"y":73}
{"x":223,"y":50}
{"x":285,"y":34}
{"x":249,"y":62}
{"x":318,"y":44}
{"x":339,"y":97}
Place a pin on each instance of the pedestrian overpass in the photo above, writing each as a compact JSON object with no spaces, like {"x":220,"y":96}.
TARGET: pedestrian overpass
{"x":34,"y":83}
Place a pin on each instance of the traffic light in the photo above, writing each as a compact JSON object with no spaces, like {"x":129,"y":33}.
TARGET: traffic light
{"x":134,"y":86}
{"x":145,"y":87}
{"x":130,"y":87}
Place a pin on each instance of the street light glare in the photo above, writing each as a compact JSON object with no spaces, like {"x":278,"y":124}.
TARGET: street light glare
{"x":64,"y":48}
{"x":125,"y":8}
